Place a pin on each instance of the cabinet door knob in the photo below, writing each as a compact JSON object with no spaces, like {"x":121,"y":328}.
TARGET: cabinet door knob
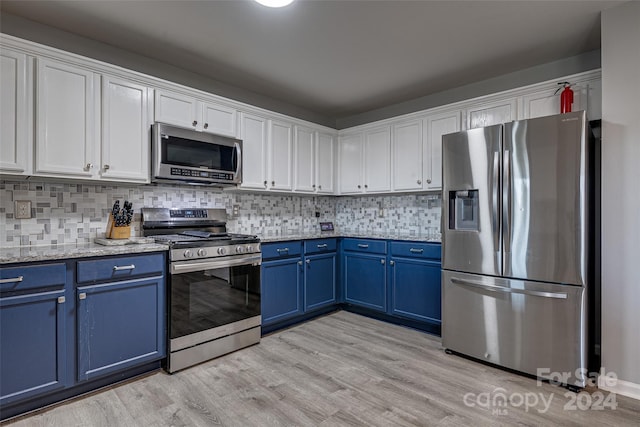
{"x":419,"y":182}
{"x":382,"y":261}
{"x":82,"y":296}
{"x":308,"y":261}
{"x":89,"y":166}
{"x":61,"y":300}
{"x":106,"y":167}
{"x":206,"y":125}
{"x":319,"y":187}
{"x":359,"y":186}
{"x":428,"y":181}
{"x":273,"y":183}
{"x":314,"y":186}
{"x":265,"y":184}
{"x":392,"y":263}
{"x":299,"y":262}
{"x":366,"y":186}
{"x":195,"y":123}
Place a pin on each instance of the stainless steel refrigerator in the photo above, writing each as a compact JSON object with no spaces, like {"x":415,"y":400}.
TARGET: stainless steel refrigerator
{"x":519,"y":245}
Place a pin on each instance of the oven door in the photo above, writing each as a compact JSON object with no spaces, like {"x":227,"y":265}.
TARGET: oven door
{"x":209,"y":299}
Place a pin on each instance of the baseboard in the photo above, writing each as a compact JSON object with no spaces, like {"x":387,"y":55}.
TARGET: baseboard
{"x":621,"y":387}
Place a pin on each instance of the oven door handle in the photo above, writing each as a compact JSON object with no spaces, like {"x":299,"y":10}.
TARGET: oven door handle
{"x":186,"y":267}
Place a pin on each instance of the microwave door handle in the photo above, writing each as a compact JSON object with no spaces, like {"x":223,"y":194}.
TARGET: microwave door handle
{"x":239,"y":155}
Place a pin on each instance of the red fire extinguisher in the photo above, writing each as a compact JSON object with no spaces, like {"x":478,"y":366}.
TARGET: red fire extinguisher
{"x":566,"y":97}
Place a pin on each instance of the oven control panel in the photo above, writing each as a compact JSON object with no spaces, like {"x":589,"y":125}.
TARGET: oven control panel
{"x":188,"y":213}
{"x":215,"y":251}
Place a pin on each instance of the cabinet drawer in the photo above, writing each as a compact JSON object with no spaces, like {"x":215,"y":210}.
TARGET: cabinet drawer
{"x":365,"y":245}
{"x":120,"y":268}
{"x":319,"y":245}
{"x":281,"y":249}
{"x":32,"y":277}
{"x":416,"y":250}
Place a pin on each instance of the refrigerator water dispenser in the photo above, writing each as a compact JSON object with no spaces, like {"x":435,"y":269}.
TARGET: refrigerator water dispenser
{"x":464,"y":210}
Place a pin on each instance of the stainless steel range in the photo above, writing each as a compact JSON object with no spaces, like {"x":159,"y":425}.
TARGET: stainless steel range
{"x":214,"y":285}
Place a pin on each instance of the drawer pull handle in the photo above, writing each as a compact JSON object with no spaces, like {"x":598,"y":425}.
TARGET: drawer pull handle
{"x":416,"y":251}
{"x":323,"y":246}
{"x":123,"y":267}
{"x":280,"y":250}
{"x":13,"y":279}
{"x":82,"y":296}
{"x":363,"y":246}
{"x":61,"y":300}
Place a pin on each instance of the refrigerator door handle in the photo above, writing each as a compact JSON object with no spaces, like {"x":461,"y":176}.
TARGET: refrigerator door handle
{"x":494,"y":196}
{"x":506,"y":202}
{"x":557,"y":295}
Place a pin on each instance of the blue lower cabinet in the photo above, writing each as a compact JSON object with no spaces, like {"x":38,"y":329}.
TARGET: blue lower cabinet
{"x":281,"y":293}
{"x":32,"y":345}
{"x":415,"y":289}
{"x":319,"y":281}
{"x":119,"y":325}
{"x":365,"y":280}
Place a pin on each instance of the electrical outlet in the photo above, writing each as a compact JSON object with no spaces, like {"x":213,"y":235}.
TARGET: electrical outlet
{"x":381,"y":213}
{"x":22,"y":209}
{"x":236,"y":210}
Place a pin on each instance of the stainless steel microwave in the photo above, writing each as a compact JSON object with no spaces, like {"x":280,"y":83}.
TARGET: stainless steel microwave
{"x":185,"y":156}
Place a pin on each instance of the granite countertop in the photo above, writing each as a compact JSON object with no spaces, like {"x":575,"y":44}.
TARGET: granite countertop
{"x":324,"y":235}
{"x":10,"y":255}
{"x":72,"y":250}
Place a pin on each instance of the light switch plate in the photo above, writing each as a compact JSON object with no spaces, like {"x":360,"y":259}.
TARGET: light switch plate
{"x":22,"y":209}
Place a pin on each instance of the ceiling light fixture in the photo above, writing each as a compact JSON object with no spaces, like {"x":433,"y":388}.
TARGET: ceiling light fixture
{"x":275,"y":3}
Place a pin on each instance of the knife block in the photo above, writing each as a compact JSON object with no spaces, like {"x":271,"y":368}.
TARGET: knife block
{"x":113,"y":232}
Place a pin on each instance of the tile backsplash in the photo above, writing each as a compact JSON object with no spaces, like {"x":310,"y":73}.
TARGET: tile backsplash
{"x":70,"y":213}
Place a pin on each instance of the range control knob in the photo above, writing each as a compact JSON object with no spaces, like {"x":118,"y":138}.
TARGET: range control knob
{"x":222,"y":251}
{"x":239,"y":249}
{"x":202,"y":252}
{"x":249,"y":249}
{"x":188,"y":253}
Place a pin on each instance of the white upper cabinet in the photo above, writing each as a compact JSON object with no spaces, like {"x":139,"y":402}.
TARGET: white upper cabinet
{"x":325,"y":155}
{"x":66,"y":120}
{"x":125,"y":130}
{"x":587,"y":96}
{"x":280,"y":155}
{"x":253,"y":132}
{"x":176,"y":109}
{"x":436,"y":126}
{"x":350,"y":153}
{"x":188,"y":112}
{"x":377,"y":160}
{"x":219,"y":119}
{"x":491,"y":113}
{"x":16,"y":118}
{"x":407,"y":156}
{"x":365,"y":161}
{"x":303,"y":163}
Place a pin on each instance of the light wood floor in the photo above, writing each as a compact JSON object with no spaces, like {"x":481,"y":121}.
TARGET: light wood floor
{"x":341,"y":369}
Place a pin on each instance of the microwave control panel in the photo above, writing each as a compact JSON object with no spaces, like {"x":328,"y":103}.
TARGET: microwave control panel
{"x":201,"y":174}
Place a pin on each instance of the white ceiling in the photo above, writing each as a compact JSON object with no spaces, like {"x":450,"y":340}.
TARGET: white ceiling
{"x":335,"y":58}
